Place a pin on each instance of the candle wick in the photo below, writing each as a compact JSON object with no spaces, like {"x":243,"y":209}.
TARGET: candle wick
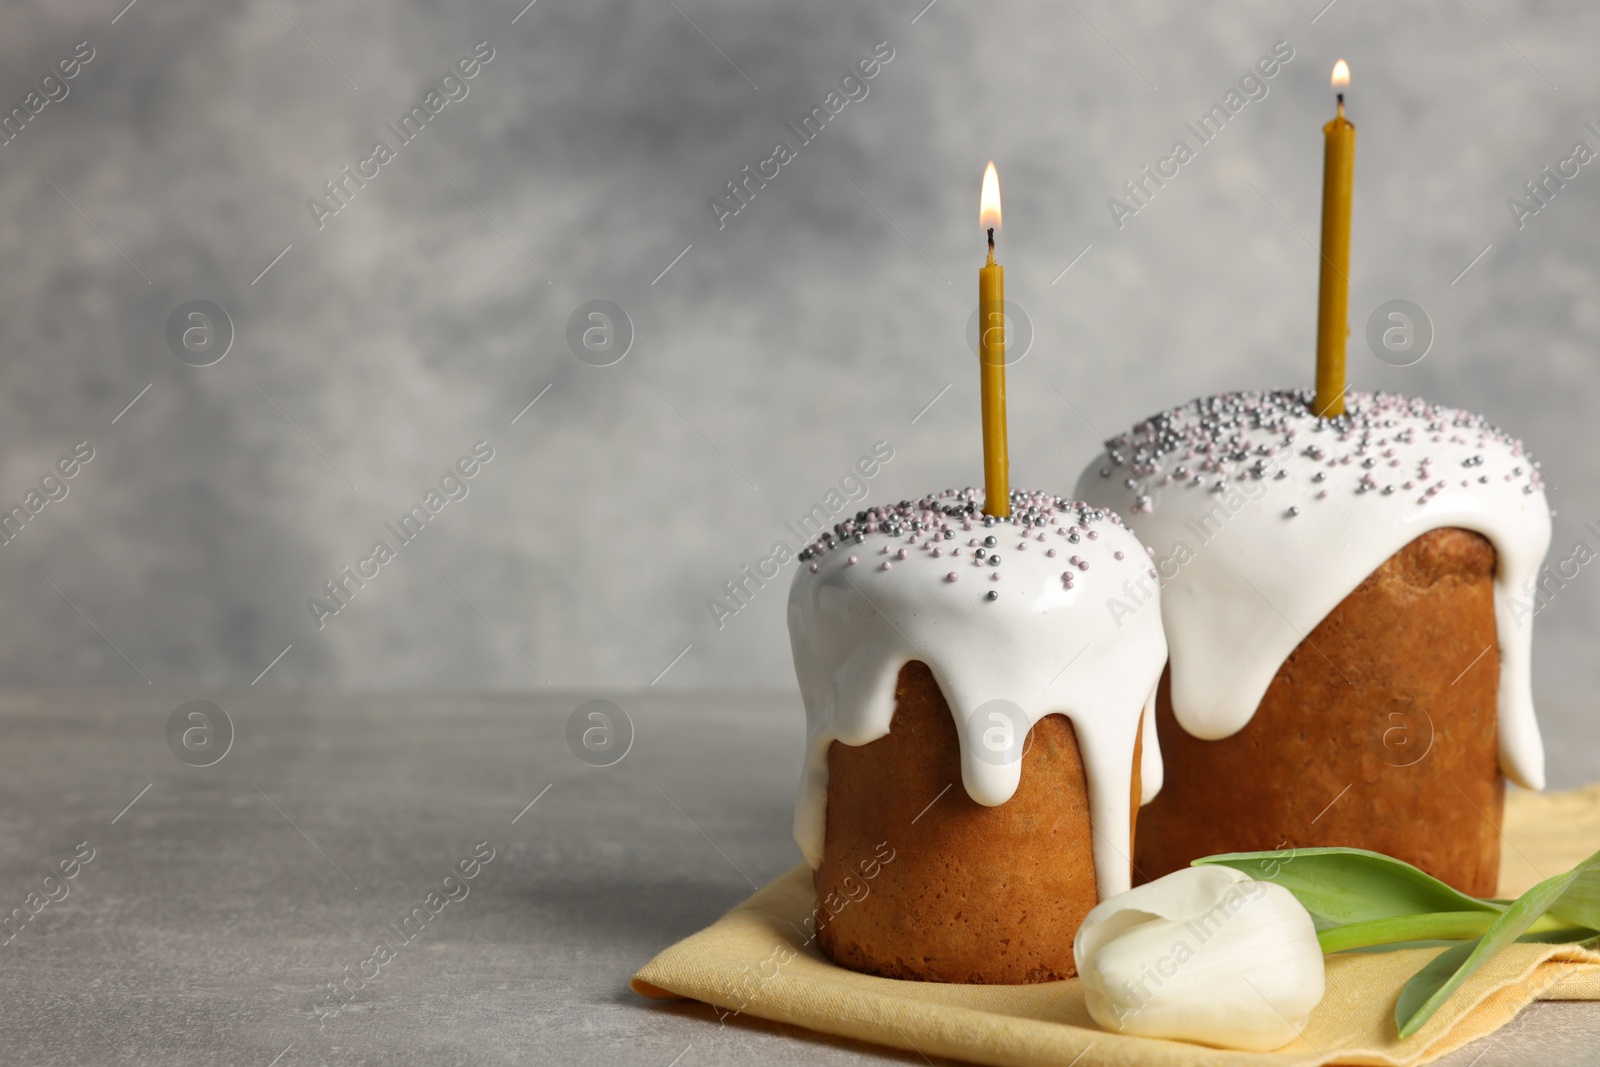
{"x":1341,"y":100}
{"x":991,"y":238}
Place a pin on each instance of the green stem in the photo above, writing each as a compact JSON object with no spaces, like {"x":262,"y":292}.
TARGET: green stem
{"x":1430,"y":926}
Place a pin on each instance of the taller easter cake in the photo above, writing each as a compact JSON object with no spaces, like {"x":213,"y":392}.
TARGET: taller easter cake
{"x":974,"y":719}
{"x":1348,"y":664}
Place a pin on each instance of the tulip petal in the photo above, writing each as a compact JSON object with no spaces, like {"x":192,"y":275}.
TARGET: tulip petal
{"x":1204,"y":955}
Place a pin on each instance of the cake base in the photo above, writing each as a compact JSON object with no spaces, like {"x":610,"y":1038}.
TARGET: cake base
{"x":1378,"y":732}
{"x":919,"y":881}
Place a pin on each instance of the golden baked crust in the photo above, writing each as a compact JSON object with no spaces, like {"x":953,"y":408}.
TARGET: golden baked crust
{"x":1394,"y":696}
{"x":971,"y":894}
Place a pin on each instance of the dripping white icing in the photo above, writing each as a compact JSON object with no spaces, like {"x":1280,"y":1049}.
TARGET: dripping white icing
{"x":1045,"y":645}
{"x":1251,"y":560}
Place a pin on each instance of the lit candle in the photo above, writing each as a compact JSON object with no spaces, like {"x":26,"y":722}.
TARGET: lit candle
{"x":1333,"y":293}
{"x":992,"y":357}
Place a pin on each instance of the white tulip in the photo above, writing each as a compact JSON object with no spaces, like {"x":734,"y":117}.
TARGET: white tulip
{"x":1205,"y":954}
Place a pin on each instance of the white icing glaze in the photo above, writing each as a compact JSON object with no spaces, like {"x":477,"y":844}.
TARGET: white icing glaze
{"x":1045,"y":645}
{"x":1244,"y":577}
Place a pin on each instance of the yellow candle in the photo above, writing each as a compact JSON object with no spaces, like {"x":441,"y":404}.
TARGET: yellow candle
{"x":992,"y":357}
{"x":1333,"y":294}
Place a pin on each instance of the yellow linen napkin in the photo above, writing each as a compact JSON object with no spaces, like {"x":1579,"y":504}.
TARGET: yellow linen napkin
{"x":757,"y":960}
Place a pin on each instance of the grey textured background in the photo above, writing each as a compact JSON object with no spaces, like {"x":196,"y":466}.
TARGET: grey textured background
{"x":822,"y":318}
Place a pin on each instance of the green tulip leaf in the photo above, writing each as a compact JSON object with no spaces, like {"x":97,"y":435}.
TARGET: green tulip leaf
{"x":1566,"y":936}
{"x":1571,"y":897}
{"x":1579,"y":903}
{"x":1349,"y":885}
{"x":1422,"y":985}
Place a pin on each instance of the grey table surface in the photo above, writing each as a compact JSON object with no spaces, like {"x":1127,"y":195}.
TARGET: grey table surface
{"x":221,"y":902}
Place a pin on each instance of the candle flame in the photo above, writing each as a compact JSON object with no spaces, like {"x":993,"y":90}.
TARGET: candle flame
{"x":989,"y":201}
{"x":1341,"y":75}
